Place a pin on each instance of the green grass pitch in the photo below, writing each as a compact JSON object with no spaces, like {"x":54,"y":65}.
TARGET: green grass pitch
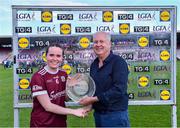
{"x":140,"y":116}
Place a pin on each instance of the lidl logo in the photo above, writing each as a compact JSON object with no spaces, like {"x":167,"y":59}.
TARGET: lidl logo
{"x":44,"y":56}
{"x":164,"y":55}
{"x":84,"y":42}
{"x":67,"y":68}
{"x":143,"y":81}
{"x":65,"y":29}
{"x":23,"y":43}
{"x":124,"y":28}
{"x":165,"y":94}
{"x":107,"y":16}
{"x":143,"y":41}
{"x":24,"y":83}
{"x":165,"y":15}
{"x":46,"y":16}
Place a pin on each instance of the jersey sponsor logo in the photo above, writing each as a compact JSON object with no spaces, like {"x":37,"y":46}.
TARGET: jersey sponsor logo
{"x":46,"y":16}
{"x":107,"y":16}
{"x":49,"y":81}
{"x":56,"y":77}
{"x":165,"y":15}
{"x":23,"y":43}
{"x":54,"y":95}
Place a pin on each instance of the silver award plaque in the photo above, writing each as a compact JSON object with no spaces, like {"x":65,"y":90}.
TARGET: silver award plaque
{"x":79,"y":86}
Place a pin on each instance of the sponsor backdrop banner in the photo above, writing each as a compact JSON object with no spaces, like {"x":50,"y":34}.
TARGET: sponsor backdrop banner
{"x":143,"y":36}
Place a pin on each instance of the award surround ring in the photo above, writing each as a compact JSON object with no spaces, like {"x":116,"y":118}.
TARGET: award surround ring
{"x":79,"y":86}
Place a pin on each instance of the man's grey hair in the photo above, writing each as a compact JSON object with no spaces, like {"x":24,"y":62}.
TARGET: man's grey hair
{"x":107,"y":35}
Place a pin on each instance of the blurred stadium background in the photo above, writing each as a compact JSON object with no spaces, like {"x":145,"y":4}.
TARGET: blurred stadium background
{"x":140,"y":116}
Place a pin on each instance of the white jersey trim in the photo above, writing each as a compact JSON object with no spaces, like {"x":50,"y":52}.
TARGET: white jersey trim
{"x":50,"y":72}
{"x":39,"y":93}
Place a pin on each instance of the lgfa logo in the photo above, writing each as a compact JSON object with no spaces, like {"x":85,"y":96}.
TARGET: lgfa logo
{"x":84,"y":42}
{"x":65,"y":29}
{"x":107,"y":16}
{"x":124,"y":28}
{"x":25,"y":16}
{"x":46,"y":16}
{"x":165,"y":15}
{"x":23,"y":43}
{"x":143,"y":41}
{"x":164,"y":55}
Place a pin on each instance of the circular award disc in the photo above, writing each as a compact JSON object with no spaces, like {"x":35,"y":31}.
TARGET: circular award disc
{"x":79,"y":86}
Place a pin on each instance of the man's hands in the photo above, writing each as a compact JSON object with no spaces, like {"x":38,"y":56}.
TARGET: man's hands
{"x":88,"y":100}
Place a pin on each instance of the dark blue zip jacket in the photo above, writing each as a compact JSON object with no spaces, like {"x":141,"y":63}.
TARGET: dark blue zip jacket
{"x":111,"y":84}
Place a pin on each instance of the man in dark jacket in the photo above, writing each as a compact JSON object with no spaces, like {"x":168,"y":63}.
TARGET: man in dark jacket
{"x":110,"y":73}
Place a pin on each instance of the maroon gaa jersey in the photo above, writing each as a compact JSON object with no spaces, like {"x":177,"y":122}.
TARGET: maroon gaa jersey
{"x":53,"y":84}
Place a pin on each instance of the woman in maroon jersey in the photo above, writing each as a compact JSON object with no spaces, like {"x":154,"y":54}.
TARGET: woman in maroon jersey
{"x":48,"y":90}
